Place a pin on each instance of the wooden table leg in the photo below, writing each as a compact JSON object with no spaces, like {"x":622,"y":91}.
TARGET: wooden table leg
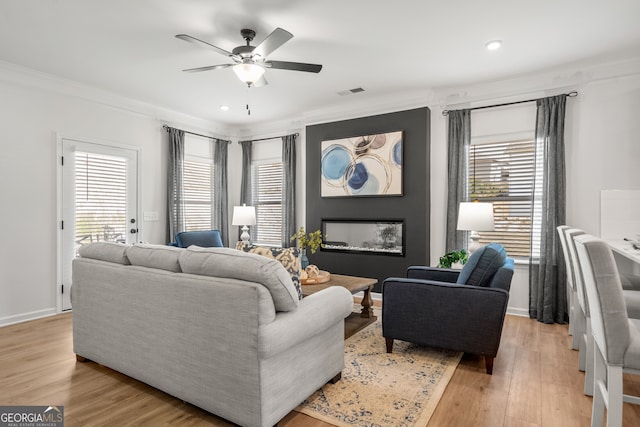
{"x":367,"y":303}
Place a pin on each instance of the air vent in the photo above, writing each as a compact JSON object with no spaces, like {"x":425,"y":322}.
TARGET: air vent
{"x":350,"y":91}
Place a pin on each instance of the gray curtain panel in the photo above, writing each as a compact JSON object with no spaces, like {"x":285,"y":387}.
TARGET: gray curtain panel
{"x":245,"y":184}
{"x":175,"y":185}
{"x":220,"y":193}
{"x":246,"y":195}
{"x":547,"y":289}
{"x":288,"y":189}
{"x":459,"y":140}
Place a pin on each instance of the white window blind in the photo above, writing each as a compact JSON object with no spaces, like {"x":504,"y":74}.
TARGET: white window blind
{"x":101,"y":198}
{"x":503,"y":173}
{"x":267,"y":199}
{"x":198,"y":194}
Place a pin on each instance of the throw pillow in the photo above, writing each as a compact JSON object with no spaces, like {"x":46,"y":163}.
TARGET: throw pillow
{"x":203,"y":238}
{"x":483,"y":265}
{"x":105,"y":251}
{"x":233,"y":264}
{"x":288,"y":257}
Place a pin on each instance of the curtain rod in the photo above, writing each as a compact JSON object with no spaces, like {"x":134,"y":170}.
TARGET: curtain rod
{"x":271,"y":137}
{"x":165,"y":127}
{"x":570,"y":94}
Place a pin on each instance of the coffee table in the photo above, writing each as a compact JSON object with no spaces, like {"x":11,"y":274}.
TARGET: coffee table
{"x":354,"y":284}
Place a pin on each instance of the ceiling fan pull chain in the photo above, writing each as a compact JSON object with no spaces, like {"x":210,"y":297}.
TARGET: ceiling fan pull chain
{"x":248,"y":109}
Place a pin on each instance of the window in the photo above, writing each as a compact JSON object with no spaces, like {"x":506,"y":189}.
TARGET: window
{"x":503,"y":173}
{"x":101,"y":198}
{"x":267,"y":199}
{"x":198,"y":183}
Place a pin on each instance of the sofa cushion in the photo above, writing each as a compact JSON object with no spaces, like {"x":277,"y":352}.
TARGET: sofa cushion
{"x":288,"y":257}
{"x":106,"y":251}
{"x":234,"y":264}
{"x":482,"y":265}
{"x":155,"y":256}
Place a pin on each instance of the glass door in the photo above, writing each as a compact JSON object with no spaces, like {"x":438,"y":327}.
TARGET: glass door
{"x":99,"y":200}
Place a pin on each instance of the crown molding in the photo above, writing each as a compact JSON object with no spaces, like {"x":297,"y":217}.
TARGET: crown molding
{"x":361,"y":107}
{"x":371,"y":106}
{"x":30,"y":78}
{"x":548,"y":83}
{"x":537,"y":84}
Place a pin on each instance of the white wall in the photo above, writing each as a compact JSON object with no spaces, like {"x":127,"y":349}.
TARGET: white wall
{"x":602,"y":137}
{"x":602,"y":152}
{"x":33,"y":112}
{"x":605,"y":149}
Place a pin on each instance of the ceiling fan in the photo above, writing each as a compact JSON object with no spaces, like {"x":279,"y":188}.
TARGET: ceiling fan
{"x":250,"y":61}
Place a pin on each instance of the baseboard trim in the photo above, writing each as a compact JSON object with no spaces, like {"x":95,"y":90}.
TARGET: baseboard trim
{"x":24,"y":317}
{"x":515,"y":311}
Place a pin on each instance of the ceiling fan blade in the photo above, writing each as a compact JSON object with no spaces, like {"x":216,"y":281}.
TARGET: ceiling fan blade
{"x":204,"y":44}
{"x":208,"y":68}
{"x":260,"y":82}
{"x":294,"y":66}
{"x":277,"y":38}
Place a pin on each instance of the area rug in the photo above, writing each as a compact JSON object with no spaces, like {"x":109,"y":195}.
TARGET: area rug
{"x":379,"y":389}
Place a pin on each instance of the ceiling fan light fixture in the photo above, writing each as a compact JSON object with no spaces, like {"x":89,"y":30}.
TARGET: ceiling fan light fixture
{"x":248,"y":72}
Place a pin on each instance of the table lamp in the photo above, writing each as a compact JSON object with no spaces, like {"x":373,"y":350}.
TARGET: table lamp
{"x":474,"y":217}
{"x":244,"y":215}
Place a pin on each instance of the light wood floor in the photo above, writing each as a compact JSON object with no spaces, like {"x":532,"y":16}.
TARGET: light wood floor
{"x":535,"y":383}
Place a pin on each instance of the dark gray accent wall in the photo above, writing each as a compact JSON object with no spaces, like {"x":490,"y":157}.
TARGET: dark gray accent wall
{"x":413,"y":206}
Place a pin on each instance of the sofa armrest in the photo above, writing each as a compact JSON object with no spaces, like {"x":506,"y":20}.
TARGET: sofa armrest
{"x":433,"y":273}
{"x":314,"y":314}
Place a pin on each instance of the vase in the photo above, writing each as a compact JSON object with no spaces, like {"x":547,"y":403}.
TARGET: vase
{"x":304,"y":261}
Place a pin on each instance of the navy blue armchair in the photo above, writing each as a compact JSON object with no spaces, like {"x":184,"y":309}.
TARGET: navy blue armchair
{"x":429,"y":308}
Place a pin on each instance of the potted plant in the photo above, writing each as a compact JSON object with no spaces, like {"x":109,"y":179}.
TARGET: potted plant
{"x":453,"y":257}
{"x":312,"y":240}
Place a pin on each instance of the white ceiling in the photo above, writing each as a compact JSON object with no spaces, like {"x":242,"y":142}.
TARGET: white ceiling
{"x":387,"y":47}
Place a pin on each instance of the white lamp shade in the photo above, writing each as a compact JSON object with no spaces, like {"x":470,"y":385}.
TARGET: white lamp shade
{"x":244,"y":215}
{"x":248,"y":73}
{"x":475,"y":216}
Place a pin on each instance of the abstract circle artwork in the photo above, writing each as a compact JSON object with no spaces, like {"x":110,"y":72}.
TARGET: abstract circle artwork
{"x":369,"y":165}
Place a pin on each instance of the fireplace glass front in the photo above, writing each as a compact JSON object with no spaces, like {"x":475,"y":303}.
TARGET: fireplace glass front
{"x":383,"y":237}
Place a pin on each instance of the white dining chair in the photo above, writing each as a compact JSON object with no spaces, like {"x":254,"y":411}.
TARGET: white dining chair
{"x":616,"y":338}
{"x":581,"y":331}
{"x":571,"y":285}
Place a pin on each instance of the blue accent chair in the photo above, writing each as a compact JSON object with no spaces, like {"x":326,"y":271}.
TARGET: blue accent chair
{"x":204,"y":238}
{"x":429,"y":308}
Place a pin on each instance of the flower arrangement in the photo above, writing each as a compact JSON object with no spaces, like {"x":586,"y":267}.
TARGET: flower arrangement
{"x":312,"y":240}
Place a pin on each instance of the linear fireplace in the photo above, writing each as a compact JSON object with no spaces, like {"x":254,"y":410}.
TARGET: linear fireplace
{"x":379,"y":237}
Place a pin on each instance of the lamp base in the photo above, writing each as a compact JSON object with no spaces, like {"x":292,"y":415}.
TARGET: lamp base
{"x":245,"y":237}
{"x":474,"y":245}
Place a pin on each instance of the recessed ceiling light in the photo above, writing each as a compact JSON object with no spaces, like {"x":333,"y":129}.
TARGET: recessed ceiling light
{"x":493,"y":44}
{"x":224,"y":107}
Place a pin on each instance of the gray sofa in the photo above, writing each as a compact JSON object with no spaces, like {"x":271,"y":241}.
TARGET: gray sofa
{"x":216,"y":327}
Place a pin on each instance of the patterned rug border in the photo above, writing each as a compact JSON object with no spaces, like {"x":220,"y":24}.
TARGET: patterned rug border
{"x":426,"y":412}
